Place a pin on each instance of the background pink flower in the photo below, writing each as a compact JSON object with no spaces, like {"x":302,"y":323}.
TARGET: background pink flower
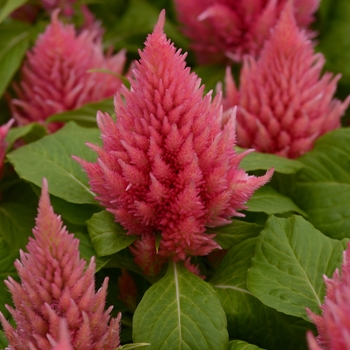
{"x":334,"y":324}
{"x":53,"y":286}
{"x":225,"y":30}
{"x":284,"y":104}
{"x":55,"y":76}
{"x":4,"y":129}
{"x":167,"y":166}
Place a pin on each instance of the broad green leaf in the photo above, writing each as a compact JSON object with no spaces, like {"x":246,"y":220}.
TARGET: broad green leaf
{"x":86,"y":115}
{"x":181,"y":311}
{"x":267,"y":200}
{"x":14,"y":42}
{"x":323,"y":187}
{"x":107,"y":236}
{"x":248,"y":319}
{"x":241,"y":345}
{"x":231,"y":234}
{"x":29,"y":133}
{"x":3,"y":341}
{"x":16,"y":223}
{"x":50,"y":157}
{"x":133,"y":346}
{"x":290,"y":258}
{"x":7,"y":258}
{"x":9,"y":6}
{"x":262,"y":161}
{"x":87,"y":251}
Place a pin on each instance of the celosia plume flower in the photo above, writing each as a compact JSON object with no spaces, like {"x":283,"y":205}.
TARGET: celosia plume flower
{"x":225,"y":30}
{"x":284,"y":103}
{"x":53,"y":286}
{"x":56,"y":77}
{"x":167,"y":166}
{"x":4,"y":129}
{"x":334,"y":324}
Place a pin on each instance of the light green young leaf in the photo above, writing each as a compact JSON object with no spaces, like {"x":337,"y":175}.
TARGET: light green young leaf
{"x":241,"y":345}
{"x":264,"y":161}
{"x":29,"y":133}
{"x":107,"y":236}
{"x":9,"y":6}
{"x":267,"y":200}
{"x":180,"y":311}
{"x":290,"y":259}
{"x":323,"y":187}
{"x":85,"y":115}
{"x":14,"y":41}
{"x":248,"y":319}
{"x":50,"y":157}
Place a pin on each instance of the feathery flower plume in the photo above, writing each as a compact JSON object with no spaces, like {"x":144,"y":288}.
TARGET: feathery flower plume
{"x":283,"y":102}
{"x":334,"y":324}
{"x":53,"y":286}
{"x":167,"y":167}
{"x":225,"y":30}
{"x":4,"y":129}
{"x":55,"y":76}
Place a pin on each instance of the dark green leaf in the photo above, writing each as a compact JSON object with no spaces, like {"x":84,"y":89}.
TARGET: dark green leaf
{"x":248,"y":319}
{"x":267,"y":200}
{"x":50,"y":157}
{"x":107,"y":236}
{"x":290,"y":258}
{"x":180,"y":312}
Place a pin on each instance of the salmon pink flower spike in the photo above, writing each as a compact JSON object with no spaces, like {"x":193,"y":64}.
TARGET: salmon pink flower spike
{"x":4,"y":129}
{"x":284,"y":104}
{"x":56,"y":77}
{"x":334,"y":324}
{"x":54,"y":286}
{"x":225,"y":30}
{"x":167,"y":166}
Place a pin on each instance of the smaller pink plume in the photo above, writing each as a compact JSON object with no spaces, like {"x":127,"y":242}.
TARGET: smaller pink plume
{"x":55,"y":285}
{"x":284,"y":104}
{"x":4,"y":129}
{"x":56,"y":77}
{"x":334,"y":324}
{"x":168,"y":168}
{"x":225,"y":30}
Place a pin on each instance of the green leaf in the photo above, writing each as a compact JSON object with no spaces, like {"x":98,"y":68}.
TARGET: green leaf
{"x":50,"y":157}
{"x":7,"y":258}
{"x":232,"y":234}
{"x":9,"y":7}
{"x":248,"y":319}
{"x":14,"y":41}
{"x":29,"y":133}
{"x":133,"y":346}
{"x":107,"y":236}
{"x":180,"y":312}
{"x":267,"y":200}
{"x":3,"y":341}
{"x":16,"y":223}
{"x":290,"y":258}
{"x":210,"y":75}
{"x":86,"y":115}
{"x":323,"y":187}
{"x":262,"y":161}
{"x":241,"y":345}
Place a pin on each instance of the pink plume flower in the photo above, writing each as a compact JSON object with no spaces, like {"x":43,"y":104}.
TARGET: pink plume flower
{"x":55,"y":76}
{"x":225,"y":30}
{"x":334,"y":324}
{"x":167,"y":166}
{"x":4,"y":129}
{"x":53,"y":286}
{"x":284,"y":103}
